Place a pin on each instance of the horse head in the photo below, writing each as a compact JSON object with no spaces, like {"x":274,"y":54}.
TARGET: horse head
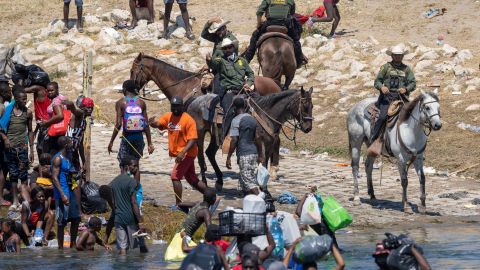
{"x":430,"y":111}
{"x":139,"y":72}
{"x":305,"y":108}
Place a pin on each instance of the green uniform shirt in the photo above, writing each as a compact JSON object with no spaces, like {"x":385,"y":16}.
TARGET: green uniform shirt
{"x":232,"y":74}
{"x":395,"y":77}
{"x":276,"y":9}
{"x":217,"y":49}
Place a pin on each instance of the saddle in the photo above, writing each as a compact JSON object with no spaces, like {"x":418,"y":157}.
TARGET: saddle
{"x":382,"y":142}
{"x":274,"y":31}
{"x":213,"y":112}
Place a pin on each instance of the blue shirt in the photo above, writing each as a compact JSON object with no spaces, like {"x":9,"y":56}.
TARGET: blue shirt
{"x":63,"y":177}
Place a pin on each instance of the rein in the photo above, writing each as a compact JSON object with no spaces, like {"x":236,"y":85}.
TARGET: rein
{"x":427,"y":124}
{"x":194,"y":91}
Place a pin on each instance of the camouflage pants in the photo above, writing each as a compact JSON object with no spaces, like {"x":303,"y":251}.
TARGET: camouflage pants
{"x":248,"y":176}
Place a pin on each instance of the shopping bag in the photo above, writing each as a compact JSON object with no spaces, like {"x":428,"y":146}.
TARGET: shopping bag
{"x":174,"y":250}
{"x":262,"y":175}
{"x":310,"y":212}
{"x":60,"y":128}
{"x":335,"y":215}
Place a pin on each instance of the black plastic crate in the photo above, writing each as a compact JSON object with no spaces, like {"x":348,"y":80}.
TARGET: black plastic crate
{"x":234,"y":224}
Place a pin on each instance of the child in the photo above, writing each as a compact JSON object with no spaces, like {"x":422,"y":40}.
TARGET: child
{"x":89,"y":237}
{"x":36,"y":216}
{"x":42,"y":177}
{"x":9,"y":239}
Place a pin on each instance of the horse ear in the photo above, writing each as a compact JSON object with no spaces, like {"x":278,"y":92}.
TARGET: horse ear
{"x":310,"y":90}
{"x":303,"y":90}
{"x":139,"y":57}
{"x":435,"y":91}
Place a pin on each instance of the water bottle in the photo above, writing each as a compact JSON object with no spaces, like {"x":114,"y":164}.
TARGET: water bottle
{"x":140,"y":197}
{"x":37,"y":237}
{"x":66,"y":240}
{"x":277,"y":234}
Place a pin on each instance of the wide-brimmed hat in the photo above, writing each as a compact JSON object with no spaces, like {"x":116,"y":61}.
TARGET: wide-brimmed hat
{"x":399,"y":49}
{"x":227,"y":42}
{"x":217,"y":25}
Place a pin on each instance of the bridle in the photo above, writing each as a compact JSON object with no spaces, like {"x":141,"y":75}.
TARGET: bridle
{"x":427,"y":123}
{"x":145,"y":75}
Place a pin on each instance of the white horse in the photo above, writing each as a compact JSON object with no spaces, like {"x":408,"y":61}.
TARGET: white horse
{"x":408,"y":140}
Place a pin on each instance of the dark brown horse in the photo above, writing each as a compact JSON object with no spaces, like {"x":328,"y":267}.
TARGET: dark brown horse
{"x":277,"y":58}
{"x":272,"y":112}
{"x":174,"y":81}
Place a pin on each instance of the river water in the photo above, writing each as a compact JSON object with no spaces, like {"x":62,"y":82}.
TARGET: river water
{"x":446,"y":247}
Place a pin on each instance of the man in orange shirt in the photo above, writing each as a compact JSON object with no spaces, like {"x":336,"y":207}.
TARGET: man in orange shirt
{"x":182,"y":145}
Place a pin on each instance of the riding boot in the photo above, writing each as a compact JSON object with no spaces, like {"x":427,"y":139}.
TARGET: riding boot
{"x":228,"y":112}
{"x":249,"y":53}
{"x":299,"y":57}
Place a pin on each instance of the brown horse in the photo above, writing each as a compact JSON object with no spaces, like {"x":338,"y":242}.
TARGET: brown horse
{"x":273,"y":111}
{"x":174,"y":81}
{"x":277,"y":58}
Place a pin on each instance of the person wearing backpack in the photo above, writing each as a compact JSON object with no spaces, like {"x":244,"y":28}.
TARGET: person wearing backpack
{"x":131,"y":114}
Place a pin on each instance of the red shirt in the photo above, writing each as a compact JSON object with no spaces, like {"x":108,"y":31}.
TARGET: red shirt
{"x":41,"y":107}
{"x":222,"y":244}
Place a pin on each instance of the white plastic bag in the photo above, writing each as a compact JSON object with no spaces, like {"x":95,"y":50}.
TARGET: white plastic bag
{"x":310,"y":211}
{"x":289,"y":227}
{"x":262,"y":175}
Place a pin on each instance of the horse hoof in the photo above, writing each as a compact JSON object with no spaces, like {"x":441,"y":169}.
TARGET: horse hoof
{"x":407,"y":209}
{"x":356,"y":200}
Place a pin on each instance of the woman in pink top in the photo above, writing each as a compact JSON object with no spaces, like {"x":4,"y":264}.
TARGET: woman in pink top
{"x":333,"y":14}
{"x":41,"y":102}
{"x":55,"y":112}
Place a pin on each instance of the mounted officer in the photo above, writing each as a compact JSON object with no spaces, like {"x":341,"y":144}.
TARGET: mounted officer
{"x":394,"y":81}
{"x":234,"y":74}
{"x":277,"y":12}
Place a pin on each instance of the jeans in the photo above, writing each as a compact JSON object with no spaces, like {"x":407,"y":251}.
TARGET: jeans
{"x":382,"y":104}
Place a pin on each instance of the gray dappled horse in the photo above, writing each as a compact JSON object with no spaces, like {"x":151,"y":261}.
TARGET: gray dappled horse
{"x":407,"y":138}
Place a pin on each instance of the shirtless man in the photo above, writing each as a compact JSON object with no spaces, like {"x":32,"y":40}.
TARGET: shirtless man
{"x":89,"y":237}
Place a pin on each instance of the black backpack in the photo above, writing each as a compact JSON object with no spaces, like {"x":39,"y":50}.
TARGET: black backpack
{"x":204,"y":256}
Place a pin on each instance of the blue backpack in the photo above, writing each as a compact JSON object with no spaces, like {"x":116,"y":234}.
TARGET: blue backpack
{"x":5,"y":119}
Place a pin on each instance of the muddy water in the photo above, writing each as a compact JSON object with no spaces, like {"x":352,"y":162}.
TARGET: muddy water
{"x":446,"y":247}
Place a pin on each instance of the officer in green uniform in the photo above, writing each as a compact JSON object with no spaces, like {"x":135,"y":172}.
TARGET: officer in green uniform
{"x":234,"y":73}
{"x":394,"y":81}
{"x":277,"y":12}
{"x":215,"y":30}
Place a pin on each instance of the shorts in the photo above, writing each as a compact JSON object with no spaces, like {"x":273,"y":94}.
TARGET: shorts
{"x":248,"y":177}
{"x":78,"y":3}
{"x":18,"y":164}
{"x":186,"y":169}
{"x":133,"y":148}
{"x":66,"y":213}
{"x":125,"y":240}
{"x":178,"y":1}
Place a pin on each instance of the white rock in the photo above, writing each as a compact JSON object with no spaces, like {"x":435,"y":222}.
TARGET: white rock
{"x":117,"y":49}
{"x":458,"y":70}
{"x":33,"y":58}
{"x":161,"y":43}
{"x":444,"y":67}
{"x":242,"y":39}
{"x":323,"y":75}
{"x":108,"y":37}
{"x":120,"y":66}
{"x":410,"y":56}
{"x":203,"y":42}
{"x":380,"y":60}
{"x":338,"y":55}
{"x":64,"y":67}
{"x":101,"y":60}
{"x":75,"y":51}
{"x":430,"y":55}
{"x":54,"y":60}
{"x":203,"y":51}
{"x":309,"y":52}
{"x":119,"y":15}
{"x":91,"y":20}
{"x":298,"y":80}
{"x":327,"y":47}
{"x":423,"y":49}
{"x":93,"y":29}
{"x":356,"y":67}
{"x":179,"y":33}
{"x":470,"y":88}
{"x":55,"y":27}
{"x":81,"y":40}
{"x":312,"y":42}
{"x":47,"y":48}
{"x":474,"y":82}
{"x":421,"y":65}
{"x":473,"y":107}
{"x":449,"y":50}
{"x":187,"y":47}
{"x":24,"y":38}
{"x":462,"y":56}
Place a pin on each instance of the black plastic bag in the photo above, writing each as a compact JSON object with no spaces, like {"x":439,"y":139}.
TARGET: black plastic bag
{"x":402,"y":258}
{"x":30,"y":75}
{"x":204,"y":256}
{"x":312,"y":248}
{"x":91,"y":200}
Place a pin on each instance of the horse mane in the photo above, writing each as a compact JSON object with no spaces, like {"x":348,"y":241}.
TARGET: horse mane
{"x":270,"y":100}
{"x":175,"y":72}
{"x":408,"y":107}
